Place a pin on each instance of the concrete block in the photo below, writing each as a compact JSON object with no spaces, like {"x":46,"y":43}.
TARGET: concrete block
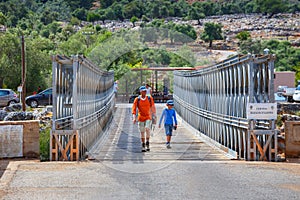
{"x":30,"y":138}
{"x":292,"y":139}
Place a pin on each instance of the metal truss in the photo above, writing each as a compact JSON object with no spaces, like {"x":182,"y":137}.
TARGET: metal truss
{"x":214,"y":101}
{"x":83,"y":102}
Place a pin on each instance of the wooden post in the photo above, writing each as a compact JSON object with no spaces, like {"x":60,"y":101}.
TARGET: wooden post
{"x":23,"y":74}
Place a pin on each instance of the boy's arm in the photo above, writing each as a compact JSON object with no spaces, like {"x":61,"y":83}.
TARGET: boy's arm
{"x":175,"y":119}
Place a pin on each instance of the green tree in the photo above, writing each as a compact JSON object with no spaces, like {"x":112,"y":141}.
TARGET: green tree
{"x":182,"y":7}
{"x":158,"y":57}
{"x":3,"y":19}
{"x":164,"y":11}
{"x":133,"y":20}
{"x":287,"y":57}
{"x":106,"y":3}
{"x":250,"y":7}
{"x":75,"y":21}
{"x":92,"y":17}
{"x":118,"y":10}
{"x":212,"y":31}
{"x":80,"y":13}
{"x":145,"y":18}
{"x":154,"y":9}
{"x":110,"y":14}
{"x":208,"y":8}
{"x":14,"y":10}
{"x":183,"y":58}
{"x":271,"y":6}
{"x":296,"y":69}
{"x":85,"y":4}
{"x":148,"y":35}
{"x":196,"y":14}
{"x":184,"y":33}
{"x":56,"y":10}
{"x":230,"y":8}
{"x":251,"y":46}
{"x":102,"y":15}
{"x":177,"y":10}
{"x":243,"y":35}
{"x":10,"y":60}
{"x":38,"y":63}
{"x":133,"y":8}
{"x":187,"y":54}
{"x":76,"y":44}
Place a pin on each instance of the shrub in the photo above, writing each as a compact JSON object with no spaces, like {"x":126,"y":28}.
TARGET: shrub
{"x":45,"y":144}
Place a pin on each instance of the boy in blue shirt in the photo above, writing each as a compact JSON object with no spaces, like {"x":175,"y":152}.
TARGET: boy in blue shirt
{"x":170,"y":121}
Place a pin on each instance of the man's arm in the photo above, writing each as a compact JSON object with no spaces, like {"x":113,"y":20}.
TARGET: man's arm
{"x":133,"y":110}
{"x":162,"y":117}
{"x":153,"y":108}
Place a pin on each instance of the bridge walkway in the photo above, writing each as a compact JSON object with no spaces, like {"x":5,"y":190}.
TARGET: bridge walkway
{"x":122,"y":142}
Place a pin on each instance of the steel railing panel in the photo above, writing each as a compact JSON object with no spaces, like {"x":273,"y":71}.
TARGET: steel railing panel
{"x":214,"y":100}
{"x":82,"y":102}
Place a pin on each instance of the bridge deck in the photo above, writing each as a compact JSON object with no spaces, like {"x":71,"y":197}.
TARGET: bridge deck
{"x":122,"y":142}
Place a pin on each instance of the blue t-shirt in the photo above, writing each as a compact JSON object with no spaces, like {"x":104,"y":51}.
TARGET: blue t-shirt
{"x":169,"y":116}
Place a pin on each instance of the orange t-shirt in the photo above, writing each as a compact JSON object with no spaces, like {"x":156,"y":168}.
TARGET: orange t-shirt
{"x":145,"y":110}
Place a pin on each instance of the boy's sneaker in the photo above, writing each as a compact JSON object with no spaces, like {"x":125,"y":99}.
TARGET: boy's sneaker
{"x":147,"y":146}
{"x":168,"y":145}
{"x":143,"y":147}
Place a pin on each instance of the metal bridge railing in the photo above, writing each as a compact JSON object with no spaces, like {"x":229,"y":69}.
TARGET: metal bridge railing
{"x":83,"y":102}
{"x":214,"y":100}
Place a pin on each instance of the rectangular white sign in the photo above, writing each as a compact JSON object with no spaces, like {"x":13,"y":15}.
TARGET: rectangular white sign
{"x":262,"y":111}
{"x":11,"y":141}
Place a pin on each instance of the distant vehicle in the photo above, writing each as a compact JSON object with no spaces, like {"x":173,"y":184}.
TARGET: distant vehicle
{"x":41,"y":99}
{"x":8,"y":97}
{"x":157,"y":96}
{"x":279,"y":97}
{"x":288,"y":93}
{"x":296,"y":95}
{"x":281,"y":88}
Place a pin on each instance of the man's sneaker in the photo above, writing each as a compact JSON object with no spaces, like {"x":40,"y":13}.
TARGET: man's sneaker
{"x":147,"y":146}
{"x":143,"y":147}
{"x":168,"y":145}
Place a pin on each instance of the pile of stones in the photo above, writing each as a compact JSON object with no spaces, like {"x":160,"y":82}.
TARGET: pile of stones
{"x":15,"y":113}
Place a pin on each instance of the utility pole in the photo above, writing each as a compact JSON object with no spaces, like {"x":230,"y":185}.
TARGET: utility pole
{"x":23,"y":74}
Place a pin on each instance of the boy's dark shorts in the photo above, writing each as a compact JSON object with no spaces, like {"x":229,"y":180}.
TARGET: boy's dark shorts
{"x":168,"y":129}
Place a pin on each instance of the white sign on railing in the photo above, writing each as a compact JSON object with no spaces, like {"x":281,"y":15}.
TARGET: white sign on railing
{"x":262,"y":111}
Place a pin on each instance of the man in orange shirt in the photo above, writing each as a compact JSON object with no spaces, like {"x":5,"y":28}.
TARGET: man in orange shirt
{"x":145,"y":107}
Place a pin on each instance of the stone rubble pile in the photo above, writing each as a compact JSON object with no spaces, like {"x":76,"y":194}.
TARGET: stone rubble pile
{"x":18,"y":116}
{"x":288,"y":108}
{"x":258,"y":24}
{"x":262,"y":25}
{"x":15,"y":113}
